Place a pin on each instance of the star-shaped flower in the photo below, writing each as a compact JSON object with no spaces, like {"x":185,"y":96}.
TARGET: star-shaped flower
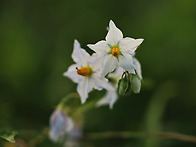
{"x":86,"y":73}
{"x":116,"y":50}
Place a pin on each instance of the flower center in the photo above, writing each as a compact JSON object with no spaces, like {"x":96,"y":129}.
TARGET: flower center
{"x":115,"y":51}
{"x":84,"y":71}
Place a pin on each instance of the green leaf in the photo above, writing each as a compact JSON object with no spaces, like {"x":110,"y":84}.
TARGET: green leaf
{"x":8,"y":135}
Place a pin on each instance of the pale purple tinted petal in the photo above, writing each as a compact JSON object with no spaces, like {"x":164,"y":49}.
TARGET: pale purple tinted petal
{"x":76,"y":132}
{"x":126,"y":62}
{"x":79,"y":55}
{"x":114,"y":34}
{"x":60,"y":123}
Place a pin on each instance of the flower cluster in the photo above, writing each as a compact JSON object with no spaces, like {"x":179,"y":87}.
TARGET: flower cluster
{"x":112,"y":67}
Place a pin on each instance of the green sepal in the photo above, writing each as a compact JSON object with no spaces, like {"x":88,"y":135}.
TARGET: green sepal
{"x":124,"y":84}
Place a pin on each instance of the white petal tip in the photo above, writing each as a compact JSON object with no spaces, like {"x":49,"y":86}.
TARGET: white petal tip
{"x":82,"y":102}
{"x":111,"y":24}
{"x":76,"y":43}
{"x":141,"y":40}
{"x":65,"y":74}
{"x":89,"y":45}
{"x":83,"y":99}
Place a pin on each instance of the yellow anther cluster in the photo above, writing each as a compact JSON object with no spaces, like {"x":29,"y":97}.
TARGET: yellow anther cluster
{"x":84,"y":71}
{"x":115,"y":51}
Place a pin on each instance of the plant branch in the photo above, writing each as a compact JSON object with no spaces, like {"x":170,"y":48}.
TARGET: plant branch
{"x":127,"y":135}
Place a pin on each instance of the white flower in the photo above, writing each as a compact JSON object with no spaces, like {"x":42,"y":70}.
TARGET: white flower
{"x":85,"y":72}
{"x":116,"y":50}
{"x":111,"y":96}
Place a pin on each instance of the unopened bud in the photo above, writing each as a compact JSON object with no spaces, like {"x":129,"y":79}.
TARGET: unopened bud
{"x":124,"y":85}
{"x":136,"y":84}
{"x":60,"y":124}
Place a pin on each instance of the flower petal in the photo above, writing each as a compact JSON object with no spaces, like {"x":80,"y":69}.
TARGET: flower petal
{"x":72,"y":73}
{"x":84,"y":87}
{"x":79,"y":55}
{"x":100,"y":47}
{"x":109,"y":99}
{"x":76,"y":133}
{"x":95,"y":63}
{"x":126,"y":62}
{"x":117,"y":73}
{"x":109,"y":63}
{"x":60,"y":123}
{"x":129,"y":45}
{"x":101,"y":82}
{"x":114,"y":34}
{"x":137,"y":65}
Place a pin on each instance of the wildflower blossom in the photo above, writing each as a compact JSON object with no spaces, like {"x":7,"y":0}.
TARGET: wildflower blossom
{"x":60,"y":124}
{"x":86,"y":73}
{"x":116,"y":50}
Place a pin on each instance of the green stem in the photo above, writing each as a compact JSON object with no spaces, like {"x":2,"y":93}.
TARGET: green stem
{"x":66,"y":98}
{"x":127,"y":135}
{"x":85,"y":107}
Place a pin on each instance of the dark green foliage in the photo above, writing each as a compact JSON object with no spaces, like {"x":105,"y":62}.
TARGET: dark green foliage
{"x":36,"y":42}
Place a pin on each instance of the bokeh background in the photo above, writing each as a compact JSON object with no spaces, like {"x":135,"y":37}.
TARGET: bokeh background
{"x":36,"y":42}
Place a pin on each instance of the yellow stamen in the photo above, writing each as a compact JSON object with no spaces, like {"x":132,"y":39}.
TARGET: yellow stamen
{"x":115,"y":51}
{"x":84,"y":71}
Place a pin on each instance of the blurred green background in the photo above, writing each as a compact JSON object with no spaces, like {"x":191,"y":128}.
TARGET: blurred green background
{"x":36,"y":42}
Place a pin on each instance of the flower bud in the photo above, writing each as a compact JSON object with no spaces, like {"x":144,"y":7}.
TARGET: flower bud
{"x":135,"y":84}
{"x":124,"y":85}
